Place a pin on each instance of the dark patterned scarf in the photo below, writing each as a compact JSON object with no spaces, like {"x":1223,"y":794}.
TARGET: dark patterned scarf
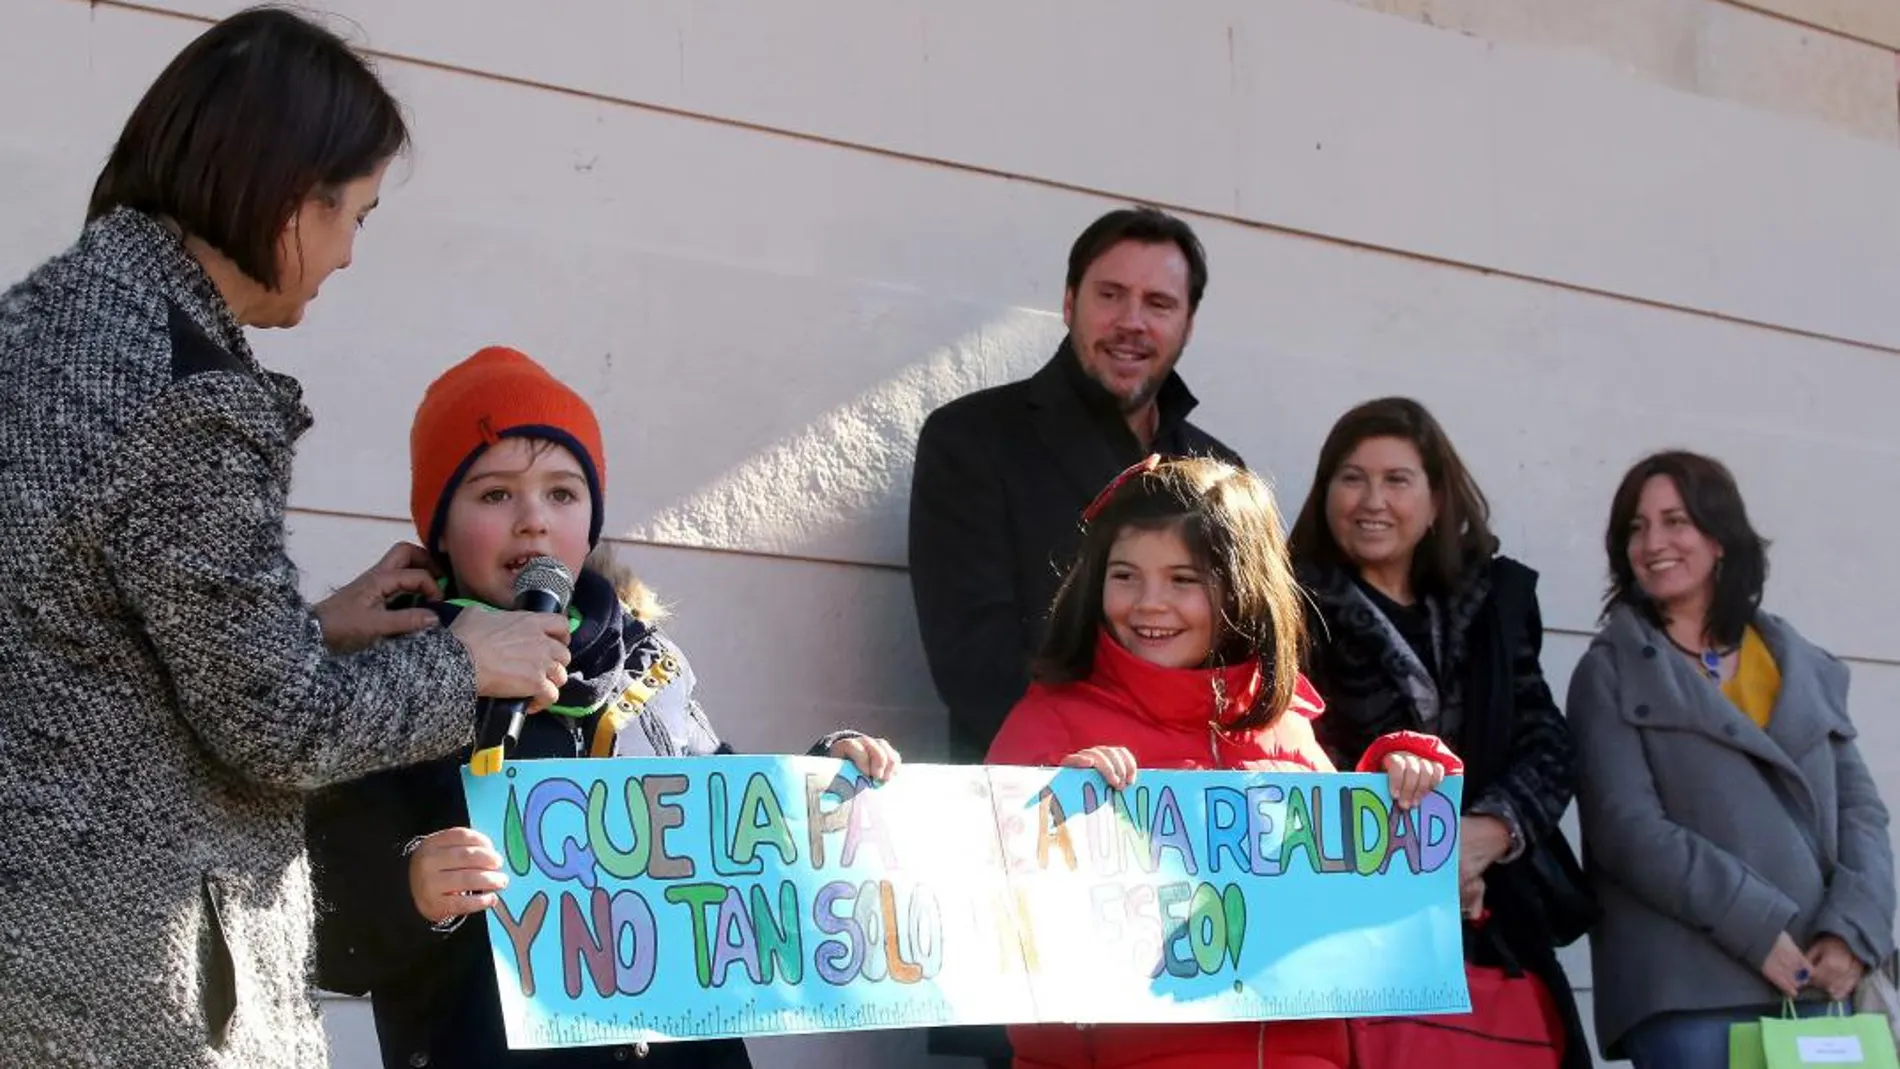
{"x":602,"y":634}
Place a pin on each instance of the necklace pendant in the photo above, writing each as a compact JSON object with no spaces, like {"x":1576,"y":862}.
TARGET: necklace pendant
{"x":1712,"y":664}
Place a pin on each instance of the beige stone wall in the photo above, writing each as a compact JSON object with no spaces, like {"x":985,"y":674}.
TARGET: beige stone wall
{"x":1877,"y":21}
{"x":1830,"y":61}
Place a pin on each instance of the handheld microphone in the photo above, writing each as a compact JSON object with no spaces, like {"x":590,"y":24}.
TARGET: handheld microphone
{"x":543,"y":585}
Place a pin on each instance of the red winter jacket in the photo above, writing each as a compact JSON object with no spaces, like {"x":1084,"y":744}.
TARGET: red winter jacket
{"x":1162,"y":716}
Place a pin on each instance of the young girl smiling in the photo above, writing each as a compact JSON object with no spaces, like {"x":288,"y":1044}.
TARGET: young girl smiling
{"x":1175,"y":643}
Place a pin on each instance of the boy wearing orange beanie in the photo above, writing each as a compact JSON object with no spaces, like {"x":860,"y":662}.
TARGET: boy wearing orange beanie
{"x":506,"y":465}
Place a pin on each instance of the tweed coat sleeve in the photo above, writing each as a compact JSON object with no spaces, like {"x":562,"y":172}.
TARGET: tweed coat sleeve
{"x":1859,"y":906}
{"x":194,"y":542}
{"x":1676,"y":871}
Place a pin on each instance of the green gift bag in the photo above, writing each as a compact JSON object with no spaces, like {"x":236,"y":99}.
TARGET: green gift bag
{"x":1791,"y":1042}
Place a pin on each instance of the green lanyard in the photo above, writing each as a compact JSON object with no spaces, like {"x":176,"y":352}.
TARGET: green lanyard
{"x":573,"y":625}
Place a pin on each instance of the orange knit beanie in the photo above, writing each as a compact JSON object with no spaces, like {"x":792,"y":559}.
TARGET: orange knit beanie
{"x":497,"y":393}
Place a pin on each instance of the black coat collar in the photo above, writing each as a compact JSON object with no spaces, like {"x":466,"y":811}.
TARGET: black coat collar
{"x":1081,"y":424}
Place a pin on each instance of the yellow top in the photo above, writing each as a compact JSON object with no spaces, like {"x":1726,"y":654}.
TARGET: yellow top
{"x":1756,"y":682}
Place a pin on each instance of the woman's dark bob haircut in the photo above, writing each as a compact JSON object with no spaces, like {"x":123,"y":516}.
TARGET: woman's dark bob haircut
{"x":259,"y":114}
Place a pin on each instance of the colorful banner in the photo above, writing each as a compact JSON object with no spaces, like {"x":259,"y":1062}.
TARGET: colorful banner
{"x":660,"y":899}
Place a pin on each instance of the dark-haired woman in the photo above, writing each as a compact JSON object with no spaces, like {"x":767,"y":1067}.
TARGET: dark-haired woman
{"x":1735,"y":838}
{"x":1419,"y":625}
{"x":169,"y":693}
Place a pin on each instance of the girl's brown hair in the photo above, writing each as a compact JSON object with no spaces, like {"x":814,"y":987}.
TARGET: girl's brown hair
{"x":1460,"y":537}
{"x":1231,"y":526}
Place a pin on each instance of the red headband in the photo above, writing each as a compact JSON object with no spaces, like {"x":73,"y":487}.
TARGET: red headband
{"x":1141,"y":467}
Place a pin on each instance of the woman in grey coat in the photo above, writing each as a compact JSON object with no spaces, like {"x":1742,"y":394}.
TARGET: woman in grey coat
{"x":169,"y":695}
{"x":1735,"y":838}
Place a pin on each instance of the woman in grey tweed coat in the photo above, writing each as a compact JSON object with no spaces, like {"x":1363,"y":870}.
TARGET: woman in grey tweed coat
{"x":169,"y":697}
{"x":1736,"y":835}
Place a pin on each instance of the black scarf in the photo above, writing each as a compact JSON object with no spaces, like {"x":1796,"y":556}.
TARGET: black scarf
{"x":1373,"y":680}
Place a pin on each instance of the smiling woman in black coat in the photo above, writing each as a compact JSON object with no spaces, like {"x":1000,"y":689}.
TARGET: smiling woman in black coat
{"x":1418,"y":625}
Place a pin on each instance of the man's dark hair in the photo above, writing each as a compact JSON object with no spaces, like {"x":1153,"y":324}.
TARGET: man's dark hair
{"x":1149,"y":226}
{"x":263,"y":111}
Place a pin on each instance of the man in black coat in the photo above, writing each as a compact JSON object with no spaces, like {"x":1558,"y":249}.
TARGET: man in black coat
{"x":1002,"y":476}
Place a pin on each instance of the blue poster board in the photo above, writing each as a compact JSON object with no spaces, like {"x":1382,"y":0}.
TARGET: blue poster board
{"x":663,"y":899}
